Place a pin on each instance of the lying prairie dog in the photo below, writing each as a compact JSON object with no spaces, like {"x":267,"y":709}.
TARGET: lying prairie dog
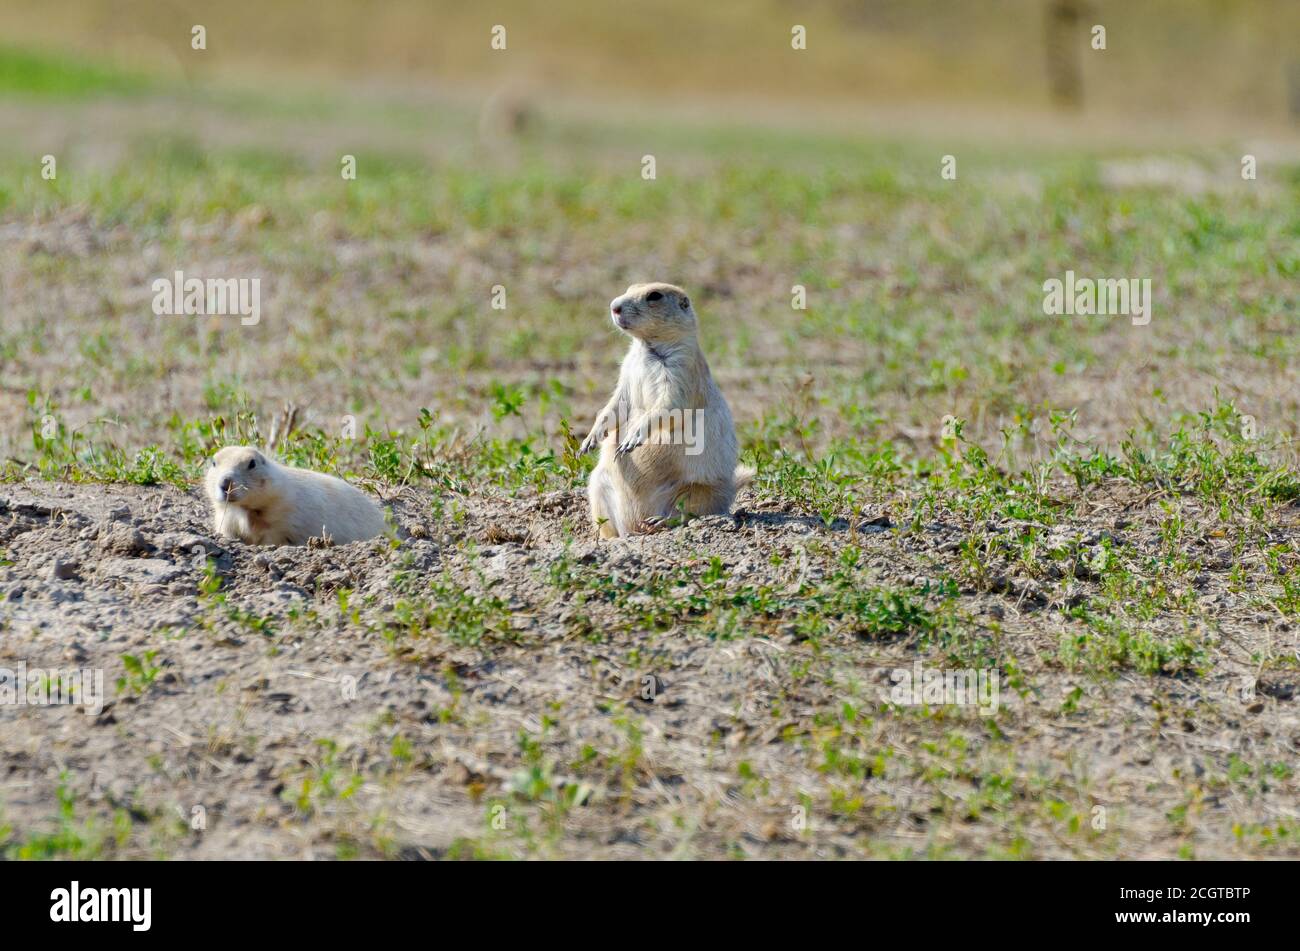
{"x":262,"y":502}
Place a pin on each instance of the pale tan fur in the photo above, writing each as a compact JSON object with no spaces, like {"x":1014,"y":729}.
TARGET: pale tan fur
{"x":667,"y":442}
{"x":261,"y":502}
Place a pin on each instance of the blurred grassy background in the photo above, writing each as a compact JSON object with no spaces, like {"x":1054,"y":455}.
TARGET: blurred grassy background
{"x":1227,"y":61}
{"x":522,"y":167}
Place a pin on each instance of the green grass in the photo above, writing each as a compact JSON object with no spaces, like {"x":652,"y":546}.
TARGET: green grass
{"x":72,"y":837}
{"x":26,"y":72}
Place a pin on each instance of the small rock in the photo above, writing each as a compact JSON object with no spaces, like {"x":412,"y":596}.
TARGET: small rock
{"x":1277,"y":689}
{"x":184,"y":542}
{"x":143,"y":571}
{"x":63,"y":570}
{"x":287,"y":593}
{"x":122,"y":540}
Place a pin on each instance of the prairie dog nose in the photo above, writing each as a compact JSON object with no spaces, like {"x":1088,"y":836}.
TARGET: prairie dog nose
{"x":616,"y":306}
{"x":224,"y":484}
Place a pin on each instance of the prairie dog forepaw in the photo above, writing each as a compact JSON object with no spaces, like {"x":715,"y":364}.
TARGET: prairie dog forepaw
{"x":635,"y":439}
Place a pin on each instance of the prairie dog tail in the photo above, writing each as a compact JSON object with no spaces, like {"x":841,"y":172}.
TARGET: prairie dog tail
{"x":742,"y":477}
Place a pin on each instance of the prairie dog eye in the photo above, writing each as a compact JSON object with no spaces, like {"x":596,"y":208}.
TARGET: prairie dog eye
{"x":654,"y":296}
{"x":252,"y":463}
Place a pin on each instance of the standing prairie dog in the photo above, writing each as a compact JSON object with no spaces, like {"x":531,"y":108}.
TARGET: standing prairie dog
{"x":667,"y":443}
{"x":264,"y":503}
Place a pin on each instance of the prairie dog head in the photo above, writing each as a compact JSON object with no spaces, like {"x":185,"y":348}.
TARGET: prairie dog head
{"x":655,"y":313}
{"x":239,"y":475}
